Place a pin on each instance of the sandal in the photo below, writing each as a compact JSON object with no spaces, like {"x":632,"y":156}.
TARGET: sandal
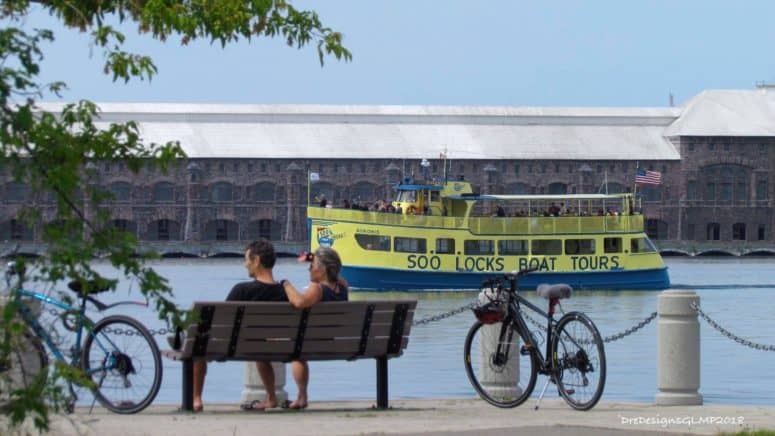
{"x":254,"y":406}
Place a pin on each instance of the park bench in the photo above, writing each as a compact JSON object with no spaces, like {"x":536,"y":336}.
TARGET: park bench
{"x":276,"y":332}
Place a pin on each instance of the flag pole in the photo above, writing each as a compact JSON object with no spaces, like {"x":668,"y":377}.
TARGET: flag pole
{"x":309,"y":186}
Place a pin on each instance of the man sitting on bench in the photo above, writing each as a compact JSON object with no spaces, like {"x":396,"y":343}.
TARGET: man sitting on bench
{"x":259,"y":261}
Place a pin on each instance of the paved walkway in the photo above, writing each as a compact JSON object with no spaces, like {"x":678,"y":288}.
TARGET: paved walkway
{"x":424,"y":417}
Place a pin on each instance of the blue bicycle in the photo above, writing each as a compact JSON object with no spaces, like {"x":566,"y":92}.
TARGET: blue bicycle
{"x":117,"y":353}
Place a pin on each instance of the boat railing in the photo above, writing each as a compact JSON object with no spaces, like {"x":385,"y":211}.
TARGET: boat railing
{"x":491,"y":225}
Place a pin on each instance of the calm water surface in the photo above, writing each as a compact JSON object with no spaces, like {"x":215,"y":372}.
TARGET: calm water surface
{"x":432,"y":366}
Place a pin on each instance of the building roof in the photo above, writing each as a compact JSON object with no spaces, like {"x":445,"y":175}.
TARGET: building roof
{"x":465,"y":132}
{"x":727,"y":113}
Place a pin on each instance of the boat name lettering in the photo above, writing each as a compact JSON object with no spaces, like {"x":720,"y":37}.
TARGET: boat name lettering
{"x":367,"y":231}
{"x":423,"y":262}
{"x":479,"y":264}
{"x":543,"y":264}
{"x":585,"y":263}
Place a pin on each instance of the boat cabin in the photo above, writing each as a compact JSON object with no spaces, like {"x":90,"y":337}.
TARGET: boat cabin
{"x":432,"y":199}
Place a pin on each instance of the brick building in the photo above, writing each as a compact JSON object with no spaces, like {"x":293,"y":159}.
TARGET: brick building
{"x":246,"y":175}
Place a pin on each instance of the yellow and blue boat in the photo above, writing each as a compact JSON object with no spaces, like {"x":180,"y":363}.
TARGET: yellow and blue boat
{"x":443,"y":236}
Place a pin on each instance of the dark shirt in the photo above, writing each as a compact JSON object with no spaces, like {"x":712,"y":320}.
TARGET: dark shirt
{"x":257,"y":291}
{"x":332,"y":294}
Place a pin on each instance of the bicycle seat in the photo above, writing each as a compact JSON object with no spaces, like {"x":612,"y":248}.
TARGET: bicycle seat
{"x":559,"y":290}
{"x":92,"y":287}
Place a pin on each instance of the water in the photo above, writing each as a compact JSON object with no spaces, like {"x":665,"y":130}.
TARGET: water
{"x":432,"y":366}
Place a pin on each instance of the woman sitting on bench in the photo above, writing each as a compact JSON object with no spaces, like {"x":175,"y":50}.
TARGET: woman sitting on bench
{"x":325,"y":285}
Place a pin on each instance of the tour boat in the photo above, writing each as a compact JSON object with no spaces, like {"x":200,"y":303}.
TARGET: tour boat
{"x":442,"y":236}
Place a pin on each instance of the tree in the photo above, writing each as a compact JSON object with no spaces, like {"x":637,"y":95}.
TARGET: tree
{"x":55,"y":153}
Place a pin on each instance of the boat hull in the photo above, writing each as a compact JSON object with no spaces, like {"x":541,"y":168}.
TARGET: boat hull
{"x":386,"y":279}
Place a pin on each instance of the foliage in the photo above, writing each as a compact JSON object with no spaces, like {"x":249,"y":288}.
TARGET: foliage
{"x":55,"y":154}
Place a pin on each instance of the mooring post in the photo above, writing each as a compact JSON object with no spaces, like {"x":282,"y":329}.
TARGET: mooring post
{"x":254,"y":388}
{"x":678,"y":349}
{"x":502,"y":379}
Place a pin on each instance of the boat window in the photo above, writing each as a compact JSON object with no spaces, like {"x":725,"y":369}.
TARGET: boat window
{"x":373,"y":242}
{"x":546,"y":246}
{"x":434,"y":196}
{"x":514,"y":247}
{"x":579,"y":246}
{"x":642,"y":245}
{"x":612,"y":245}
{"x":478,"y":247}
{"x":409,"y":245}
{"x":445,"y":246}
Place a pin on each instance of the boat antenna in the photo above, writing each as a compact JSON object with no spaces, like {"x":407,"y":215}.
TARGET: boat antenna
{"x":443,"y":157}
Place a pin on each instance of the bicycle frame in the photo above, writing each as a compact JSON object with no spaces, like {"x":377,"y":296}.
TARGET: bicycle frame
{"x":82,"y":323}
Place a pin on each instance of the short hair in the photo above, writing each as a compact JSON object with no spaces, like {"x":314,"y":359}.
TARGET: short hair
{"x":330,"y":261}
{"x":264,"y":250}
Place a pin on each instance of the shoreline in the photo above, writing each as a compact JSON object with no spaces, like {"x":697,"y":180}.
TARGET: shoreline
{"x":429,"y":417}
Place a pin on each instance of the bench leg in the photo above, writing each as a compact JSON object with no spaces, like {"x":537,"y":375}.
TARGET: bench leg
{"x":188,"y":385}
{"x":382,"y":383}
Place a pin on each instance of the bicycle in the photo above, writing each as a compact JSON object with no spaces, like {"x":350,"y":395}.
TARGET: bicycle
{"x":118,"y":354}
{"x":575,"y":356}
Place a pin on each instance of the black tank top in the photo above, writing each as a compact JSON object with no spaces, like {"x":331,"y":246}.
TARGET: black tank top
{"x":339,"y":293}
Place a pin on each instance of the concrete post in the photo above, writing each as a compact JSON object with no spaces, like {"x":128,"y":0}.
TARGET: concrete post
{"x":254,"y":388}
{"x":678,"y":349}
{"x":501,"y":381}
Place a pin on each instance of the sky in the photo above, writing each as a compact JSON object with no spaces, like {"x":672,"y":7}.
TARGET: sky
{"x":455,"y":52}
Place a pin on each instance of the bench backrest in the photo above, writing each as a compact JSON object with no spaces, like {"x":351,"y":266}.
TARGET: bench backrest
{"x":274,"y":331}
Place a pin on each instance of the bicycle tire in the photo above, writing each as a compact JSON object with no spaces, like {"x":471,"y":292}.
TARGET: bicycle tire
{"x":27,"y":360}
{"x":128,"y":365}
{"x":578,"y":354}
{"x":497,"y":389}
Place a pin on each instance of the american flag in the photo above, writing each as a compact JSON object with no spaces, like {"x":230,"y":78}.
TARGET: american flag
{"x":646,"y":177}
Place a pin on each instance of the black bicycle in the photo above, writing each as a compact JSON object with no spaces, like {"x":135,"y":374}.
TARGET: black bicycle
{"x":503,"y":357}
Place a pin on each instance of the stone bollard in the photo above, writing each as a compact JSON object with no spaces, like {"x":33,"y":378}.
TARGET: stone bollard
{"x":678,"y":349}
{"x":502,"y":382}
{"x":254,"y":388}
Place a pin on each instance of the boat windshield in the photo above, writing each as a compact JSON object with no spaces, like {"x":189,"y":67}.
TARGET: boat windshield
{"x":406,"y":196}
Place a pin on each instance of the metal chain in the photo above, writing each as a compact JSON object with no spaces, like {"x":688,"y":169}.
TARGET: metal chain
{"x":607,"y":339}
{"x":444,"y":315}
{"x":729,"y":334}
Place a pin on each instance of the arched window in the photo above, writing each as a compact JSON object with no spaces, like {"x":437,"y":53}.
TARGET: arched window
{"x":122,"y":191}
{"x":558,"y":189}
{"x":651,"y":193}
{"x":222,"y":192}
{"x":164,"y":230}
{"x":613,"y":188}
{"x":15,"y":230}
{"x":656,"y":229}
{"x":164,"y":191}
{"x":264,"y":228}
{"x":738,"y":231}
{"x":363,"y":192}
{"x":518,"y":189}
{"x":323,"y":189}
{"x":264,"y":191}
{"x":16,"y":191}
{"x":221,"y":230}
{"x":713,"y":232}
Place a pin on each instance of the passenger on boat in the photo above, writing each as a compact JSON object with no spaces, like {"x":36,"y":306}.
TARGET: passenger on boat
{"x":325,"y":285}
{"x":323,"y":201}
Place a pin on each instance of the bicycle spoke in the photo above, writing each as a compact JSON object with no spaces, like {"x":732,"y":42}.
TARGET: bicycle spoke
{"x":580,"y":361}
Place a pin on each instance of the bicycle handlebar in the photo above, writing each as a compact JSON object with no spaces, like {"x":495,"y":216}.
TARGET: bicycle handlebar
{"x":511,"y":277}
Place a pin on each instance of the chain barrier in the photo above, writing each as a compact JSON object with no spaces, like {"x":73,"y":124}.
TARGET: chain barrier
{"x":445,"y":315}
{"x":729,"y":334}
{"x":607,"y":339}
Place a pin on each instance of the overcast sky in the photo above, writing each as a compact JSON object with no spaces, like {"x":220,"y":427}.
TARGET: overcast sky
{"x":455,"y":52}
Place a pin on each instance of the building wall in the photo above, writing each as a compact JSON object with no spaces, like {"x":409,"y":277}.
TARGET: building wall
{"x":242,"y":199}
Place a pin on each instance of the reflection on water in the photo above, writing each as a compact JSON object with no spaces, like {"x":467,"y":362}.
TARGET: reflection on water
{"x":432,"y":366}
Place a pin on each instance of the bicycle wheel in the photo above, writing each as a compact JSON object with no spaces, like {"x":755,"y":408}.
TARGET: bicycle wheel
{"x":25,"y":366}
{"x":579,"y":361}
{"x":122,"y":359}
{"x":505,"y":378}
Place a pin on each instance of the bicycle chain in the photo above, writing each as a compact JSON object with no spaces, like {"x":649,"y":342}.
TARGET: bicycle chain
{"x":729,"y":334}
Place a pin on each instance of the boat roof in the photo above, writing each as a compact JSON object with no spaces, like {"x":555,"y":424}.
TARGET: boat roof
{"x":566,"y":197}
{"x":418,"y":187}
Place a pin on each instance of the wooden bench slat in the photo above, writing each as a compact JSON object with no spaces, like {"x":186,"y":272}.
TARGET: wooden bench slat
{"x":244,"y":346}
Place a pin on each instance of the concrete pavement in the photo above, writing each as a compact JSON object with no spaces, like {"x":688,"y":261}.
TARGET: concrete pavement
{"x":423,"y":417}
